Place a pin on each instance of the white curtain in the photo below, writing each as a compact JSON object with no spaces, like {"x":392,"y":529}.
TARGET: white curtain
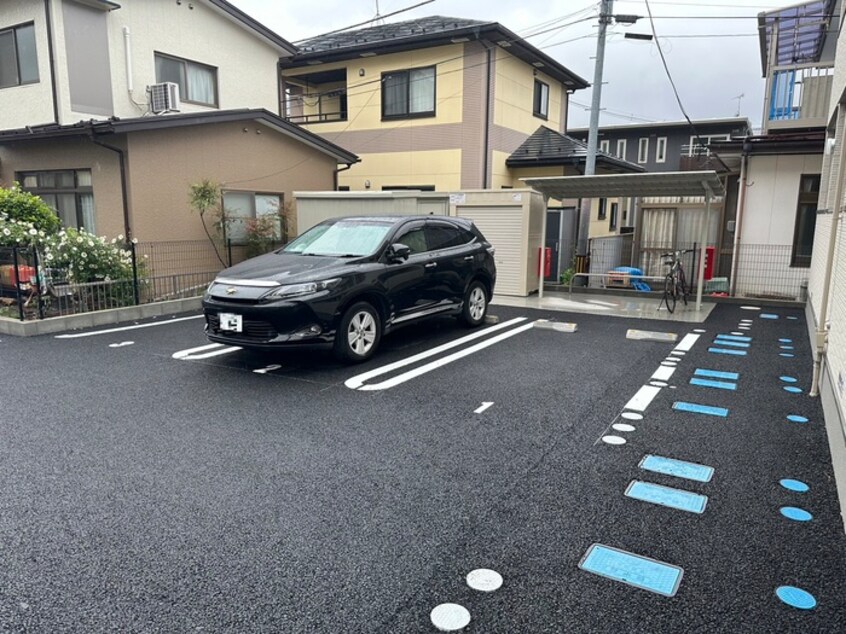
{"x":422,"y":90}
{"x":200,"y":84}
{"x":86,"y":208}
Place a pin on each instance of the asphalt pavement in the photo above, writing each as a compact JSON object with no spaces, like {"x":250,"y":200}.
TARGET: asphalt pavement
{"x":219,"y":490}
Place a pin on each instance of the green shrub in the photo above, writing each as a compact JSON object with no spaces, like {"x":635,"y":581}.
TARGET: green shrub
{"x":22,"y":206}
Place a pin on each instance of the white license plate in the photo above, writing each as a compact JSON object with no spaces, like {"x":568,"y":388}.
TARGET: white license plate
{"x":231,"y":322}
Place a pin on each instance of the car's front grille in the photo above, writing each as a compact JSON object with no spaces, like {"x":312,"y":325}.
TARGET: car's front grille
{"x":252,"y":329}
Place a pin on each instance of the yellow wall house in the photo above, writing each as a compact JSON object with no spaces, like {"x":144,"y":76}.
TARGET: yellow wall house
{"x":435,"y":103}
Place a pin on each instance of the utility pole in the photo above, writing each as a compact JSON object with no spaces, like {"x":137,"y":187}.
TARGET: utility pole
{"x":605,"y":16}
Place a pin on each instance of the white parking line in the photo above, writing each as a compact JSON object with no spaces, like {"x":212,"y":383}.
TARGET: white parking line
{"x":201,"y":352}
{"x":122,"y":328}
{"x":485,"y":405}
{"x":358,"y":380}
{"x":121,"y":344}
{"x":687,"y":343}
{"x":642,"y":398}
{"x":663,"y":373}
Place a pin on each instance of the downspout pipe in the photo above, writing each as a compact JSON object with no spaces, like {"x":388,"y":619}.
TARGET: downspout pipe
{"x":487,"y":134}
{"x":48,"y":17}
{"x":123,"y":181}
{"x":335,"y":173}
{"x":821,"y":338}
{"x":738,"y":217}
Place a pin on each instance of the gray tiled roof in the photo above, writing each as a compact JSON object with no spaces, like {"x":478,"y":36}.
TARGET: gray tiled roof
{"x":385,"y":33}
{"x":548,"y":147}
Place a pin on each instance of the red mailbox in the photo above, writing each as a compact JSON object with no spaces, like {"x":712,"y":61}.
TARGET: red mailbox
{"x":546,"y":254}
{"x":710,"y":257}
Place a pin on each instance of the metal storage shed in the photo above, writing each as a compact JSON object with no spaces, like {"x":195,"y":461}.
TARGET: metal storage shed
{"x":700,"y":183}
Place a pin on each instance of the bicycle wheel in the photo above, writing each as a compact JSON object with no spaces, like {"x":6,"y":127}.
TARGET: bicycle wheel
{"x":682,"y":288}
{"x":670,"y":292}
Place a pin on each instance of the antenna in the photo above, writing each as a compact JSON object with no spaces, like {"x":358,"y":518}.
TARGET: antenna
{"x":739,"y":98}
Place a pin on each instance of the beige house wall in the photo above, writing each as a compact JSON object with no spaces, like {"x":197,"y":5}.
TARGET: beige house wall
{"x":241,"y":156}
{"x":73,"y":154}
{"x":514,"y":99}
{"x":441,"y":168}
{"x":162,"y":165}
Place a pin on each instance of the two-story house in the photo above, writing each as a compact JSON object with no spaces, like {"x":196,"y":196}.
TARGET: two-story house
{"x":779,"y":170}
{"x":110,"y":111}
{"x":442,"y":104}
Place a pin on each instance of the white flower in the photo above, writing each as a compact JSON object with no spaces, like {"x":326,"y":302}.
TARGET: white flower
{"x":49,"y":256}
{"x":6,"y":232}
{"x":90,"y":243}
{"x":79,"y":239}
{"x":114,"y":240}
{"x":134,"y":240}
{"x":84,"y":254}
{"x":33,"y":232}
{"x":120,"y":236}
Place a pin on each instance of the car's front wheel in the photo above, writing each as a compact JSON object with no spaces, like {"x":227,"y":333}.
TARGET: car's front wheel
{"x":475,"y":305}
{"x":358,"y":334}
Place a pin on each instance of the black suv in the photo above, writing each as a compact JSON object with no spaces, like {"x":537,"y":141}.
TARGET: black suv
{"x":347,"y":281}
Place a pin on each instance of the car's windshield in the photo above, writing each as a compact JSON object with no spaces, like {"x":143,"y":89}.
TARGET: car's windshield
{"x":342,"y":238}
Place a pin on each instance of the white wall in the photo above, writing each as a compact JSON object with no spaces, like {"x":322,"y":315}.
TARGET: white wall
{"x":769,"y":215}
{"x":246,"y":64}
{"x":33,"y":103}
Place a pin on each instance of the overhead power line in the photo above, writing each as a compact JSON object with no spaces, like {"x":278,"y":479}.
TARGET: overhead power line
{"x":371,"y":20}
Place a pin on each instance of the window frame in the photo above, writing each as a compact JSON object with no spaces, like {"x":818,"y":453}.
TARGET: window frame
{"x":605,"y":146}
{"x":537,"y":98}
{"x":602,"y":212}
{"x":661,"y":149}
{"x":410,"y":115}
{"x":643,"y":150}
{"x":804,"y":199}
{"x":253,"y":194}
{"x":13,"y":29}
{"x":621,"y":143}
{"x":613,"y":220}
{"x":77,"y":190}
{"x":183,"y":96}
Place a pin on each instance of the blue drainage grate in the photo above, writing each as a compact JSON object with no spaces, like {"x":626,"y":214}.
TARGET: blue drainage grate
{"x":796,"y":514}
{"x":730,"y":344}
{"x":787,"y":379}
{"x":795,"y":418}
{"x":734,"y":338}
{"x":738,"y":353}
{"x":700,"y":409}
{"x":797,"y":486}
{"x":634,"y":570}
{"x":677,"y":468}
{"x":716,"y":374}
{"x":792,"y":318}
{"x":768,"y":316}
{"x":786,"y":348}
{"x":792,"y":389}
{"x":667,"y":496}
{"x":720,"y":385}
{"x":785,"y":340}
{"x":796,"y":597}
{"x":786,"y":354}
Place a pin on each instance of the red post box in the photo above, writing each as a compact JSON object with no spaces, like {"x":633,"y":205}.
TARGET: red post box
{"x":546,"y":254}
{"x":710,"y":258}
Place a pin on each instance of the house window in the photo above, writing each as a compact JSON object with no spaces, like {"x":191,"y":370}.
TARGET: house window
{"x":621,"y":149}
{"x":408,"y":93}
{"x":603,"y":209}
{"x":251,"y":214}
{"x":605,"y":146}
{"x":643,"y":150}
{"x":806,"y":219}
{"x":541,"y":101}
{"x":661,"y":150}
{"x":197,"y":82}
{"x":67,"y":192}
{"x":612,"y":222}
{"x":699,"y":145}
{"x":18,"y":59}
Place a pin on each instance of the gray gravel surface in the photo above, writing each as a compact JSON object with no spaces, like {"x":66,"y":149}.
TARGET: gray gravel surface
{"x":139,"y":493}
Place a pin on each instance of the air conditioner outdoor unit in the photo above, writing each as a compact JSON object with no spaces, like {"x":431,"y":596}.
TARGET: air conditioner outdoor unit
{"x":164,"y":97}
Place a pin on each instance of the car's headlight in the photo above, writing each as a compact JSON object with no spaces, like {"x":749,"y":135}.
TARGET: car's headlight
{"x":306,"y":288}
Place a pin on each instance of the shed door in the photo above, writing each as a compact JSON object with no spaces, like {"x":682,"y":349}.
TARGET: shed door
{"x":503,"y":228}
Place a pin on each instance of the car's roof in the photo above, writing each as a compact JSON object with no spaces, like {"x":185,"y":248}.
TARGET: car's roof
{"x":398,"y":219}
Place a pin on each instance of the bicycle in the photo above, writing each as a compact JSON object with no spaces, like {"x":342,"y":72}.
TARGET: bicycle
{"x":675,"y":285}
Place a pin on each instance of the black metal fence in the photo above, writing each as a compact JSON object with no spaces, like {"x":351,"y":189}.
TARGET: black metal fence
{"x":161,"y":271}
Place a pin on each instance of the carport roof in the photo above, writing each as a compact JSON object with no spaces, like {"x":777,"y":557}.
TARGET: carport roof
{"x":699,"y":183}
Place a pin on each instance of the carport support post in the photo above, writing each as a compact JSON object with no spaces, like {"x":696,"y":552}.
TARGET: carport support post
{"x":542,"y":255}
{"x":703,"y":241}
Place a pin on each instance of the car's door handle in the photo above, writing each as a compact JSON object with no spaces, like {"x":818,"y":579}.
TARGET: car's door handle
{"x":431,"y":265}
{"x":468,"y":258}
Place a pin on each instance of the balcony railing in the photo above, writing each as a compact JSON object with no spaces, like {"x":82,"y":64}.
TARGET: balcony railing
{"x":317,"y":118}
{"x":798,"y":97}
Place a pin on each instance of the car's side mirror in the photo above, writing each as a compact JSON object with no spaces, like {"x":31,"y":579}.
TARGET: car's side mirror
{"x":398,"y":252}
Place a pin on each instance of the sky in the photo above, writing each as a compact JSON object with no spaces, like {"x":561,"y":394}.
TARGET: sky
{"x":710,"y":72}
